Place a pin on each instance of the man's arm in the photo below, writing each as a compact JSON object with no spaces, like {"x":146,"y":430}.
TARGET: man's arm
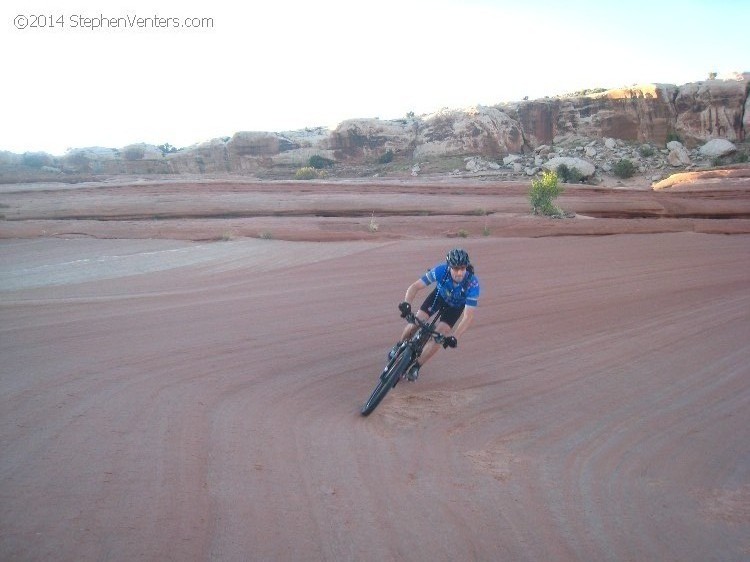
{"x":464,"y":322}
{"x":413,"y":289}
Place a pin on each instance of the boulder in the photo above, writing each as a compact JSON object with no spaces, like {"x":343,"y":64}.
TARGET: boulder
{"x":717,"y":148}
{"x":257,"y":143}
{"x":586,"y":168}
{"x":478,"y":164}
{"x":141,"y":151}
{"x":367,"y":138}
{"x":478,"y":130}
{"x":206,"y":157}
{"x":678,"y":154}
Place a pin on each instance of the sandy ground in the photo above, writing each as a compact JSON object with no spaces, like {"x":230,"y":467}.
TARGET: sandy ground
{"x":175,"y":389}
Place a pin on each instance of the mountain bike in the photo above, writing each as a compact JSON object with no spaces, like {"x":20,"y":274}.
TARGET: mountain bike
{"x":404,"y":358}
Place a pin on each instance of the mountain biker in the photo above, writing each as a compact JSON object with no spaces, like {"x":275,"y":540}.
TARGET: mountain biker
{"x":457,"y":290}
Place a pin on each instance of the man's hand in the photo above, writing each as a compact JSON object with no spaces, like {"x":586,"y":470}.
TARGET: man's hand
{"x":405,"y":309}
{"x":450,"y":341}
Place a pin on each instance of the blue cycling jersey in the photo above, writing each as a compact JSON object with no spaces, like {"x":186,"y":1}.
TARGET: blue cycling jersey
{"x":455,"y":294}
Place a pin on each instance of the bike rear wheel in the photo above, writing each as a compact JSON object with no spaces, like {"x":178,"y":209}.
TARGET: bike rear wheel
{"x":388,"y":380}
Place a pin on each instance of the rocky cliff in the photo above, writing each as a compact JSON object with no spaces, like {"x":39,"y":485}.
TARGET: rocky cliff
{"x":521,"y":135}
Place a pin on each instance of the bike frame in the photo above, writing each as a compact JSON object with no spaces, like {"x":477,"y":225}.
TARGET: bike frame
{"x":425,"y":332}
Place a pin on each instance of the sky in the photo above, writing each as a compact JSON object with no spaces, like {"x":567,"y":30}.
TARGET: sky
{"x":113,"y":73}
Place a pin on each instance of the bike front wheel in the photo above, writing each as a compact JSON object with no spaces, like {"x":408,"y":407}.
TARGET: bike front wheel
{"x":396,"y":368}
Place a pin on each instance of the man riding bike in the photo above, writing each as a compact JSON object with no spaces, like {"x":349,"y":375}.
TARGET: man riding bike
{"x":457,"y":292}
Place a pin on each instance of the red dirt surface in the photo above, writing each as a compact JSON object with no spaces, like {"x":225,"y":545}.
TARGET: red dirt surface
{"x":167,"y":396}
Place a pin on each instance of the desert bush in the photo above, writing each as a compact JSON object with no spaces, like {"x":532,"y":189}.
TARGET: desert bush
{"x":308,"y":173}
{"x":569,"y":174}
{"x":386,"y":157}
{"x":319,"y":162}
{"x":624,"y":168}
{"x":672,"y":136}
{"x":646,"y":150}
{"x":543,"y":192}
{"x":740,"y":158}
{"x":373,"y":226}
{"x":575,"y":176}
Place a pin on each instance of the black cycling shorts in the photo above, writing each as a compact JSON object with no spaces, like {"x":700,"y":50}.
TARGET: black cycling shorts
{"x":434,"y":302}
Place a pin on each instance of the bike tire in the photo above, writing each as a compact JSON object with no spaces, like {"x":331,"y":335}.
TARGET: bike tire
{"x":396,"y":369}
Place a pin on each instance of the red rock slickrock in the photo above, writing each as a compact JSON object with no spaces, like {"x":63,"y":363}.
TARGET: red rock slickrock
{"x":183,"y":366}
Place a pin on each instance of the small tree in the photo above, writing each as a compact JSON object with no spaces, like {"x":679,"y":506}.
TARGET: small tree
{"x":543,"y":192}
{"x":167,"y":148}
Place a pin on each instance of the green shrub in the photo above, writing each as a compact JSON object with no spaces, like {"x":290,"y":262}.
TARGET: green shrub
{"x":646,"y":150}
{"x":569,"y":175}
{"x":319,"y":162}
{"x":562,"y":172}
{"x":543,"y":192}
{"x":624,"y":169}
{"x":740,"y":158}
{"x":575,"y":176}
{"x":386,"y":157}
{"x":672,"y":136}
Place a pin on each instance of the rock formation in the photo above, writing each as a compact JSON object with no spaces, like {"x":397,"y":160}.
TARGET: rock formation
{"x":698,"y":115}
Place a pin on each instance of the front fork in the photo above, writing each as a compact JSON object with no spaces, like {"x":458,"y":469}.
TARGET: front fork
{"x":397,"y":357}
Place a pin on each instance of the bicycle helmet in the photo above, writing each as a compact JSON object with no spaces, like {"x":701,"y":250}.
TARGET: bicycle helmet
{"x":457,"y":257}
